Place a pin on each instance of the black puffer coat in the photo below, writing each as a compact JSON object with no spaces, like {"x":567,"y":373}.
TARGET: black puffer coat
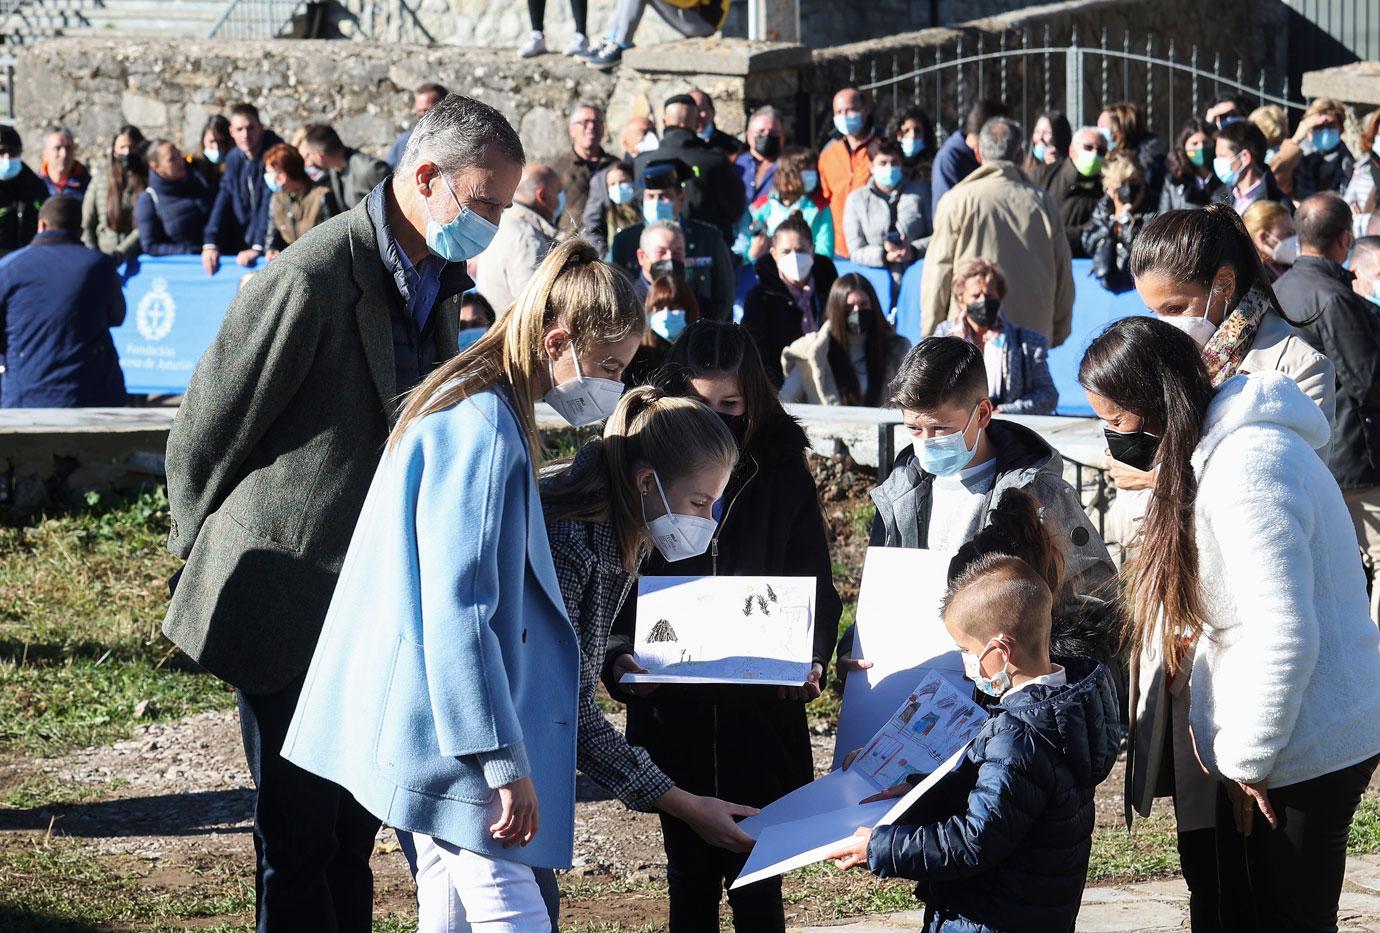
{"x":1004,"y":844}
{"x":734,"y":742}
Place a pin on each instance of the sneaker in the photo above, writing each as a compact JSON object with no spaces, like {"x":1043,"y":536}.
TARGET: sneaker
{"x":534,"y":46}
{"x":609,"y":56}
{"x":578,"y":46}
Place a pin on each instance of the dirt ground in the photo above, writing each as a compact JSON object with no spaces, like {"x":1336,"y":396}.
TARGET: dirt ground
{"x":172,"y":806}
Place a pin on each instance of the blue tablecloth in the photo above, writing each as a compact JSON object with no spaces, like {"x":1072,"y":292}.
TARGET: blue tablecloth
{"x":1093,"y":309}
{"x":173,"y":311}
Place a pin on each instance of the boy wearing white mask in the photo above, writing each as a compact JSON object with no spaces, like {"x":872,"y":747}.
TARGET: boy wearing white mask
{"x":1004,"y":840}
{"x":944,"y":486}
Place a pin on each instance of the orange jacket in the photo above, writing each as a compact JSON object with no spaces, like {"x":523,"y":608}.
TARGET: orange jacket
{"x":842,"y":170}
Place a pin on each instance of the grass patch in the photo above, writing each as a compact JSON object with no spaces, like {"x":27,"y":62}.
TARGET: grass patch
{"x":861,"y":517}
{"x":36,"y":793}
{"x":1149,"y":852}
{"x":82,"y":597}
{"x":55,"y":886}
{"x":1365,"y":828}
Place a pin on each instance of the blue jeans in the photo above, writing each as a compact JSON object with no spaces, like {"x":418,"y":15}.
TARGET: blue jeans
{"x":312,"y":841}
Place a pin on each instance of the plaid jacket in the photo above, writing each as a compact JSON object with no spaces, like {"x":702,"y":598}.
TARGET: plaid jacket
{"x":594,"y":585}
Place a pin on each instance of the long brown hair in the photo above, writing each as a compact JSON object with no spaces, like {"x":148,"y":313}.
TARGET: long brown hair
{"x":721,"y":348}
{"x":592,"y":300}
{"x":1156,"y":371}
{"x":674,"y":435}
{"x":124,"y":185}
{"x":875,"y":328}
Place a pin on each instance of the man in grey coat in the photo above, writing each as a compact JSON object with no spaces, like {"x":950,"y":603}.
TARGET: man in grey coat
{"x":271,"y":455}
{"x":350,"y":173}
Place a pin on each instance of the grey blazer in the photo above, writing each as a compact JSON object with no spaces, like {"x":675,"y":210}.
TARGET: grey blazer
{"x":274,"y":448}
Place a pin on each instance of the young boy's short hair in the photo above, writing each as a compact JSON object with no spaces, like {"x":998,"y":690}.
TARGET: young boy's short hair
{"x":939,"y":371}
{"x":1002,"y":595}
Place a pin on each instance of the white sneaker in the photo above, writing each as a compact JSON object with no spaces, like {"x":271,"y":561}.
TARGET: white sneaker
{"x":534,"y":46}
{"x":579,"y":45}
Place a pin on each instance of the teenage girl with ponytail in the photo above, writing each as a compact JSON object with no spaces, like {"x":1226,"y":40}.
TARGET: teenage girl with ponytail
{"x":444,"y":688}
{"x":651,"y":481}
{"x":1245,"y":573}
{"x":747,"y":744}
{"x":1199,"y":272}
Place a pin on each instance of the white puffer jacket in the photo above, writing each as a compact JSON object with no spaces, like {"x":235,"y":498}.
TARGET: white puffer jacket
{"x":1286,"y":681}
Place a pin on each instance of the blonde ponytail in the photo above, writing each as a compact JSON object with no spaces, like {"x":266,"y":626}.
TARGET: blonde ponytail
{"x":674,"y":435}
{"x":591,"y":299}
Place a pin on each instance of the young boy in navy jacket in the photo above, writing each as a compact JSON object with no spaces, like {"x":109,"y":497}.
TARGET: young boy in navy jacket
{"x":1002,"y":843}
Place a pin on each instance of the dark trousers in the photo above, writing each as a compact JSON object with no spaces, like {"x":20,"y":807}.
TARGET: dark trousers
{"x":1198,"y":862}
{"x":312,"y":841}
{"x":1293,"y":874}
{"x":697,"y":873}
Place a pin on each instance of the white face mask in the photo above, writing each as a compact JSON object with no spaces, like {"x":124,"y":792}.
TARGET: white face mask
{"x":1199,"y":328}
{"x":677,"y":537}
{"x":795,"y":267}
{"x":1286,"y":250}
{"x":582,"y":400}
{"x":649,"y":143}
{"x":315,"y":172}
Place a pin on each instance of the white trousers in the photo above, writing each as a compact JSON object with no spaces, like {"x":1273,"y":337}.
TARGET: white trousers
{"x":459,"y":891}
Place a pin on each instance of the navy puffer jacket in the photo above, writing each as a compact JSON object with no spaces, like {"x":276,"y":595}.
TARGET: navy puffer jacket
{"x":1009,"y":852}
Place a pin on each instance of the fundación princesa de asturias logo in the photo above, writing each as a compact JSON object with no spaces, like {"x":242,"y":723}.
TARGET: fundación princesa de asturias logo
{"x":157,"y":311}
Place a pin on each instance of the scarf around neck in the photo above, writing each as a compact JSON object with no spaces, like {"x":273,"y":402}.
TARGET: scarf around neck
{"x":1229,"y":346}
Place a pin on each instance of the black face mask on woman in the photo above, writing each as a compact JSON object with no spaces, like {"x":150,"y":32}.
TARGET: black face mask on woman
{"x":737,"y":426}
{"x":1133,"y":448}
{"x":983,"y":312}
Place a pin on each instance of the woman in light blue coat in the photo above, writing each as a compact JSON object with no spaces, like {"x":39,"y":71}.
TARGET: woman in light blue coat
{"x":443,"y":690}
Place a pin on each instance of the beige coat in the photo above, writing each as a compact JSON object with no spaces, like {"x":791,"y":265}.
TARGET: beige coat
{"x":524,"y":238}
{"x":996,"y":214}
{"x":1278,"y":348}
{"x":810,"y":379}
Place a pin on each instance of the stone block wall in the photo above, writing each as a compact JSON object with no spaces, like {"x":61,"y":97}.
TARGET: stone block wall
{"x":171,"y":87}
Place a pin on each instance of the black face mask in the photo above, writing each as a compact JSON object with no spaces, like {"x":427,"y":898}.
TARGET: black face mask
{"x":126,"y":161}
{"x":672,"y":267}
{"x":983,"y":312}
{"x":737,"y":426}
{"x":1128,"y":193}
{"x":1133,"y":448}
{"x":768,"y":145}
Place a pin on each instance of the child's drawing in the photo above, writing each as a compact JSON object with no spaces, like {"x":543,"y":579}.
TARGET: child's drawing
{"x":725,"y":629}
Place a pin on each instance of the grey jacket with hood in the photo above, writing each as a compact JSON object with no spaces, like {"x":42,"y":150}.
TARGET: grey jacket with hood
{"x":1024,"y":461}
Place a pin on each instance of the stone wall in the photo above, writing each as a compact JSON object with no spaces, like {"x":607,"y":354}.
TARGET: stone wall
{"x":364,"y":89}
{"x":94,"y":85}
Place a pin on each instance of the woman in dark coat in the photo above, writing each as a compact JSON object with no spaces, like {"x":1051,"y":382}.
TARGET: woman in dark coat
{"x":792,"y":287}
{"x":747,"y":744}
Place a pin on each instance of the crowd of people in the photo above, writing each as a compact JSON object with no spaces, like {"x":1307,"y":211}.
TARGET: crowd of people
{"x":756,"y":228}
{"x":416,"y":606}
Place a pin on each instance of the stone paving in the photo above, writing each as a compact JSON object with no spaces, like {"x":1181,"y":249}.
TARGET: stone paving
{"x":1159,"y":907}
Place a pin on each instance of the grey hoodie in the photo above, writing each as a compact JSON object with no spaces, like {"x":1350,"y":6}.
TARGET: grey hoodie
{"x":1024,"y":461}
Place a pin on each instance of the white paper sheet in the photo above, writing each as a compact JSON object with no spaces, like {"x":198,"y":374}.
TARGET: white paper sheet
{"x":735,"y":630}
{"x":784,"y":847}
{"x":923,"y":731}
{"x":900,"y":631}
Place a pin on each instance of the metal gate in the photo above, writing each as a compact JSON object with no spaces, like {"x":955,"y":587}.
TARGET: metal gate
{"x":1034,"y":73}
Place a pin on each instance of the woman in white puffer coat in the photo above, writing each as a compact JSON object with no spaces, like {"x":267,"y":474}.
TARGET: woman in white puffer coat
{"x":1247,"y":570}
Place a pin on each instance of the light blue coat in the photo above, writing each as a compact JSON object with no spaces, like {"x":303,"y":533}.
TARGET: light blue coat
{"x":447,"y":661}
